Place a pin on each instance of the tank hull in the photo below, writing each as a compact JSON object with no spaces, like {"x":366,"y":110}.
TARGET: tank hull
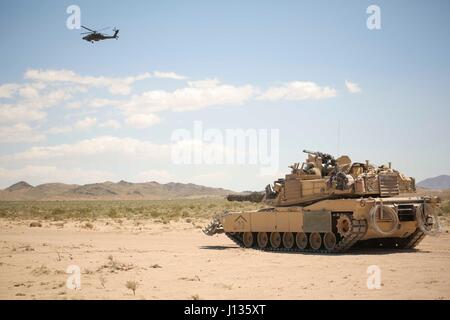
{"x":329,"y":226}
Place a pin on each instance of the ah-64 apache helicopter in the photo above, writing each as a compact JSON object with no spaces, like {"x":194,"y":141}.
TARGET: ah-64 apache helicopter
{"x":95,"y":35}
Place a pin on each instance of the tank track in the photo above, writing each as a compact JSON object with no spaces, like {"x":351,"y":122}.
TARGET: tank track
{"x":395,"y":243}
{"x":413,"y":240}
{"x":359,"y":229}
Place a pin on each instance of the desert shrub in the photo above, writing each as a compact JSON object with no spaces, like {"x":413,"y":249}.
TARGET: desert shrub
{"x":58,"y":211}
{"x":132,"y":285}
{"x":112,"y":213}
{"x":3,"y":212}
{"x":163,"y":210}
{"x":185,"y":214}
{"x":155,"y":214}
{"x":446,"y":207}
{"x":88,"y":225}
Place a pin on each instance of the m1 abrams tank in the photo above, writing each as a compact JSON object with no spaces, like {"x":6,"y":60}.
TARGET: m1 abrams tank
{"x":328,"y":205}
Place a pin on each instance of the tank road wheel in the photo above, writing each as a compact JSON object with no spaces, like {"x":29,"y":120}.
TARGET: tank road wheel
{"x":329,"y":241}
{"x":262,"y":238}
{"x":301,"y":240}
{"x":275,"y":239}
{"x":315,"y":240}
{"x":247,"y":239}
{"x":288,"y":240}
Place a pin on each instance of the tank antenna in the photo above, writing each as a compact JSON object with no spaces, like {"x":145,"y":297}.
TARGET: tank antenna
{"x":339,"y":138}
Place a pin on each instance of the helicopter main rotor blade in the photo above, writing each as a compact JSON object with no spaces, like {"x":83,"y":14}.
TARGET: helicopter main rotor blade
{"x":104,"y":29}
{"x":86,"y":32}
{"x":87,"y":29}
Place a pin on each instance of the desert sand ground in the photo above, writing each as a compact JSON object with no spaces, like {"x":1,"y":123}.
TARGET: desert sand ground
{"x":176,"y":261}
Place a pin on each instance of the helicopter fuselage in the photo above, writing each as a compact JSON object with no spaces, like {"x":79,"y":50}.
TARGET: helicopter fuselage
{"x":97,"y":37}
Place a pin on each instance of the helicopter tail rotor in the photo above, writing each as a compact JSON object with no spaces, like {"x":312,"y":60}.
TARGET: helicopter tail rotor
{"x":116,"y":31}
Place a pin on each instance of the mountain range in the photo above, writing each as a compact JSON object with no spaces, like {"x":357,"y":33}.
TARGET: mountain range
{"x":121,"y":190}
{"x":439,"y":182}
{"x":124,"y":190}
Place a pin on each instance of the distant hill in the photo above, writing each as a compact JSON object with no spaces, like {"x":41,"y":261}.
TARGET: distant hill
{"x":439,"y":182}
{"x":121,"y":190}
{"x":21,"y":185}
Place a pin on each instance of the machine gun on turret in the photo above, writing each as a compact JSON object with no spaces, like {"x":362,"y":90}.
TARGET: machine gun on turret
{"x":327,"y":159}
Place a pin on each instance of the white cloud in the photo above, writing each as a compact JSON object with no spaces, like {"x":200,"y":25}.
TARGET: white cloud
{"x":73,"y":105}
{"x":114,"y":85}
{"x":168,"y":75}
{"x":44,"y":174}
{"x":197,"y":95}
{"x":33,"y":99}
{"x":48,"y":88}
{"x":110,"y":124}
{"x":100,"y":102}
{"x":104,"y":145}
{"x":20,"y":132}
{"x":7,"y":90}
{"x":59,"y":130}
{"x":140,"y":109}
{"x":85,"y":123}
{"x":10,"y":114}
{"x":29,"y":107}
{"x":31,"y":90}
{"x":82,"y":124}
{"x":50,"y":99}
{"x":298,"y":90}
{"x":141,"y":121}
{"x":352,"y":87}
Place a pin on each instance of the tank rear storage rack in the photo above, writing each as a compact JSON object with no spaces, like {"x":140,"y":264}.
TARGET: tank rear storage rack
{"x":388,"y":185}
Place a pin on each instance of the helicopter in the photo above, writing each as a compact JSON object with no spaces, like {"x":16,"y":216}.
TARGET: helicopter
{"x":95,"y":35}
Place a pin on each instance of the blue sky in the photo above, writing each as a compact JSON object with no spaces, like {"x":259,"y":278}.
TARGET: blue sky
{"x":50,"y":79}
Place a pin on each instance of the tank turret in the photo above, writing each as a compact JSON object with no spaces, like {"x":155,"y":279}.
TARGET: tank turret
{"x":322,"y":176}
